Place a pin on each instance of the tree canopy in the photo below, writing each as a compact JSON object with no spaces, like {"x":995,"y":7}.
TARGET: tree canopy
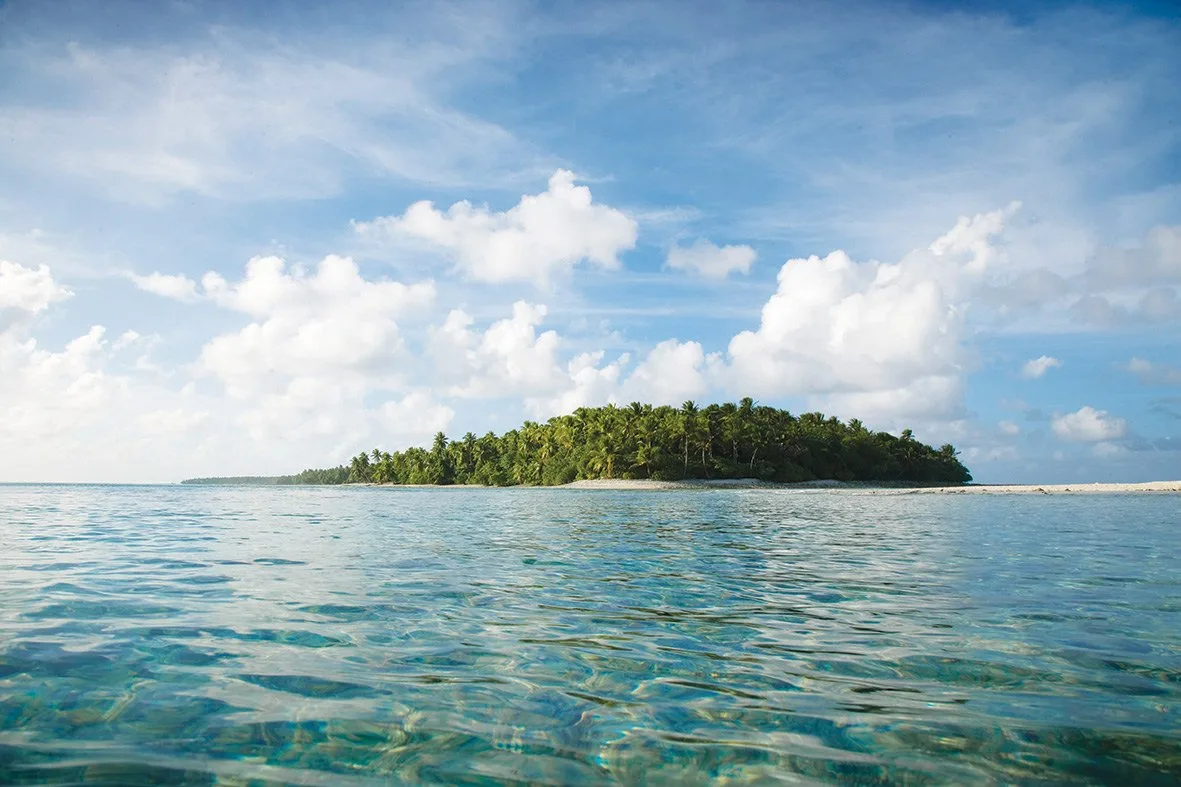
{"x":731,"y":440}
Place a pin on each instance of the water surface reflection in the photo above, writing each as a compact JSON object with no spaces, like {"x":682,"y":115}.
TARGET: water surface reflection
{"x":339,"y":636}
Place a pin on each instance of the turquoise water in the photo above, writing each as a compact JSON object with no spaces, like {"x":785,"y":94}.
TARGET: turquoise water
{"x":189,"y":635}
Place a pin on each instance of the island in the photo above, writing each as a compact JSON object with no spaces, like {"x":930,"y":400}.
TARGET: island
{"x":740,"y":440}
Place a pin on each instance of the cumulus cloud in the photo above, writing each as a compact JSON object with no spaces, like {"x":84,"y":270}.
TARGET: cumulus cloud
{"x":588,"y":385}
{"x":30,"y":290}
{"x":45,"y":392}
{"x":127,"y":339}
{"x":510,"y":357}
{"x":834,"y":324}
{"x":1009,"y":428}
{"x":927,"y":403}
{"x":1105,"y":450}
{"x":415,"y":417}
{"x":176,"y":287}
{"x":312,"y":405}
{"x":670,"y":373}
{"x":542,"y":235}
{"x":270,"y":289}
{"x":171,"y":422}
{"x":971,"y":237}
{"x":1149,"y":373}
{"x":1037,"y":367}
{"x":885,"y":337}
{"x":1088,"y":425}
{"x":328,"y":323}
{"x":321,"y":351}
{"x":72,"y":413}
{"x":710,"y":261}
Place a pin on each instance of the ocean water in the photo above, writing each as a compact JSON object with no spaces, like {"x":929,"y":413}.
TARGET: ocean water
{"x":256,"y":636}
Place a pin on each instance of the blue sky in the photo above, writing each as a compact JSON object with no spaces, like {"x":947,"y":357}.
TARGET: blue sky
{"x":885,"y":211}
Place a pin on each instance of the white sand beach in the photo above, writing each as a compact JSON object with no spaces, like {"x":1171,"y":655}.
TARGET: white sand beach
{"x":877,"y":489}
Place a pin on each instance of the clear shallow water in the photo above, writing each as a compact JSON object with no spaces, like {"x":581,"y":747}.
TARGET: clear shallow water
{"x":372,"y":636}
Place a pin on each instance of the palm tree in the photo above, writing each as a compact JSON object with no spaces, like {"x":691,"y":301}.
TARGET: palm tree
{"x":731,"y":427}
{"x":689,"y":412}
{"x":359,"y":471}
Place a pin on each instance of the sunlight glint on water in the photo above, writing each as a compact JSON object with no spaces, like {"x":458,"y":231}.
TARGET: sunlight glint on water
{"x":463,"y":636}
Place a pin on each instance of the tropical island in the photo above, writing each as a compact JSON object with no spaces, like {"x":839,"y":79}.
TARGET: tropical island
{"x":642,"y":442}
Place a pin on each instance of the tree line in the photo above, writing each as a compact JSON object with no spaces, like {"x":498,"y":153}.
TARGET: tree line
{"x":639,"y":441}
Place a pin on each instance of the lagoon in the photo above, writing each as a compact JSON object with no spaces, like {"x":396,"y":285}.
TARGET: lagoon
{"x":309,"y":635}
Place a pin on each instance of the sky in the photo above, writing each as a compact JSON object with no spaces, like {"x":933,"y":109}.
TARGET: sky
{"x":249,"y":239}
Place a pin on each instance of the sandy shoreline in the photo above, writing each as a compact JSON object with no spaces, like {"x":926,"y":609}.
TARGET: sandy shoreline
{"x":879,"y":489}
{"x":1157,"y":487}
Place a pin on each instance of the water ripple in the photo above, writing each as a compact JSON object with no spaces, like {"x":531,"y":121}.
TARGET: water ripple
{"x":372,"y":636}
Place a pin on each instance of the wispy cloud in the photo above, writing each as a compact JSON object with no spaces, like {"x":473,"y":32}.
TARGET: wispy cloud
{"x":244,"y":115}
{"x":1149,"y":373}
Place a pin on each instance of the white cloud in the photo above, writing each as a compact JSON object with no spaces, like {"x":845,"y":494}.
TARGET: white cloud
{"x":972,"y":236}
{"x":71,"y":414}
{"x":1036,"y":367}
{"x":271,"y":290}
{"x":48,"y":393}
{"x":510,"y":357}
{"x":870,"y":336}
{"x":1150,"y":373}
{"x":1088,"y":425}
{"x":1009,"y":428}
{"x":1107,"y":450}
{"x":670,"y":373}
{"x":710,"y":261}
{"x":927,"y":404}
{"x":171,"y":422}
{"x":543,"y":234}
{"x":127,"y":339}
{"x":320,"y":348}
{"x":27,"y":289}
{"x":133,"y":340}
{"x":589,"y":385}
{"x":176,"y":287}
{"x":328,"y":324}
{"x":415,"y":417}
{"x":835,"y":325}
{"x":313,"y":405}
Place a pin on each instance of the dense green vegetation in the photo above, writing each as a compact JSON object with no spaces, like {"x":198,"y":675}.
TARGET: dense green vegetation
{"x":741,"y":440}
